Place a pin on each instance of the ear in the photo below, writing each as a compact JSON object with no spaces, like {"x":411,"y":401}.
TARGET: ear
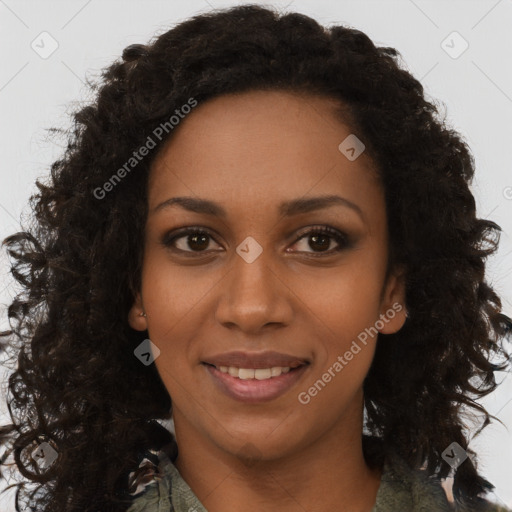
{"x":393,"y":309}
{"x":135,"y":316}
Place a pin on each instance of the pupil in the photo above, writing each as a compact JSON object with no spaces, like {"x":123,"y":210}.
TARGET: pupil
{"x":324,"y":237}
{"x":204,"y":239}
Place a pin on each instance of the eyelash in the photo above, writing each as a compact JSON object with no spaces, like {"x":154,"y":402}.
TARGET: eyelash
{"x":342,"y":239}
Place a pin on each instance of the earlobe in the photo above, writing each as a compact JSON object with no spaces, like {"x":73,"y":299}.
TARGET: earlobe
{"x":394,"y":310}
{"x":136,"y":316}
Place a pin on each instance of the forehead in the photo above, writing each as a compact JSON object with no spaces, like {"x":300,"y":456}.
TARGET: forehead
{"x":259,"y":145}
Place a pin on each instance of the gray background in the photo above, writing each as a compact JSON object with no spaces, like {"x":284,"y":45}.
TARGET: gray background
{"x":475,"y":87}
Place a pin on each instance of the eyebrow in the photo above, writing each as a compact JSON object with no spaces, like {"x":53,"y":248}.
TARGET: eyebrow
{"x":286,"y":209}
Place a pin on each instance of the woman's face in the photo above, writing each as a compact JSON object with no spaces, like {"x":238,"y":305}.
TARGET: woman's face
{"x":263,"y":288}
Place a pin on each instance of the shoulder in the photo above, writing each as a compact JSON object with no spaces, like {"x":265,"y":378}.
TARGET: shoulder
{"x":157,"y":486}
{"x":149,"y":485}
{"x":403,"y":488}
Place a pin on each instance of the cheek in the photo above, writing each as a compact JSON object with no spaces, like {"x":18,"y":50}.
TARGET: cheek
{"x":168,"y":304}
{"x":347,"y":301}
{"x":173,"y":295}
{"x":346,"y":313}
{"x":336,"y":380}
{"x":334,"y":392}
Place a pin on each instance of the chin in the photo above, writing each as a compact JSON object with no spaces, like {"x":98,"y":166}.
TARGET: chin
{"x":251,"y":447}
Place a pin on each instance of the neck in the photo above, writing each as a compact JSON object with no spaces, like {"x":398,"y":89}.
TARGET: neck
{"x":327,"y":474}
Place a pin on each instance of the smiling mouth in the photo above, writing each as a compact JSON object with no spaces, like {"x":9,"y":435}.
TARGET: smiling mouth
{"x":256,"y":373}
{"x":255,"y":385}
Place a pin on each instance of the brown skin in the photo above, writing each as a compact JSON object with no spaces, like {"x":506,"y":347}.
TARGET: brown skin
{"x":250,"y":152}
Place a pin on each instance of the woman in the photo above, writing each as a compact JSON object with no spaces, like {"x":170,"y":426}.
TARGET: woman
{"x":263,"y":221}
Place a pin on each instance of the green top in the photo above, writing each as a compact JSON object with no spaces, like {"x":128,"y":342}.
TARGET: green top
{"x":401,"y":490}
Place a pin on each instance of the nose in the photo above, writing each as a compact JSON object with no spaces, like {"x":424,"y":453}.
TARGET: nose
{"x":253,"y":296}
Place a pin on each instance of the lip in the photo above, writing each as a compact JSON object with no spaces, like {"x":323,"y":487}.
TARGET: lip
{"x":253,"y":390}
{"x":256,"y":360}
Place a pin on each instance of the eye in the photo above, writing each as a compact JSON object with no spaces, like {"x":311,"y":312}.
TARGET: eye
{"x":193,"y":238}
{"x":321,"y":238}
{"x":196,"y":240}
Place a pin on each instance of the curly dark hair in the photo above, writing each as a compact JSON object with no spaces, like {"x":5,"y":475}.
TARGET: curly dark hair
{"x":79,"y":262}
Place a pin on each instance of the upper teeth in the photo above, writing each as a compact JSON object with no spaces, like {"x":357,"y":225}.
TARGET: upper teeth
{"x":254,"y":373}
